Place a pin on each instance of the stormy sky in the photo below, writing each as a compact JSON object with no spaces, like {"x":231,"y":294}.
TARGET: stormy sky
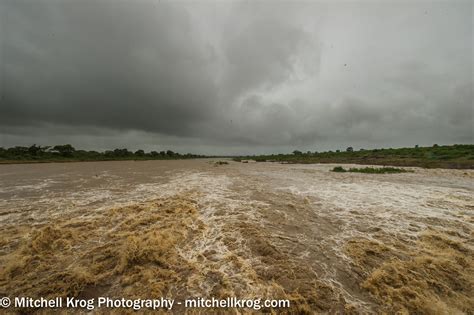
{"x":235,"y":77}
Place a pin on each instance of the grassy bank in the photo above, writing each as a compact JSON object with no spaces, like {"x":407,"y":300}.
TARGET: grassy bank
{"x":453,"y":156}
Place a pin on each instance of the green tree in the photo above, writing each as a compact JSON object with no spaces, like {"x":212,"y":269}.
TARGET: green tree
{"x":64,"y":150}
{"x":140,"y":153}
{"x":34,"y":150}
{"x":122,"y":152}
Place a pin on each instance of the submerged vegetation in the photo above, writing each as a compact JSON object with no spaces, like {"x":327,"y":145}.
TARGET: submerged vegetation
{"x":136,"y":251}
{"x":131,"y":249}
{"x":447,"y":156}
{"x":431,"y":275}
{"x":371,"y":170}
{"x":220,"y":163}
{"x":66,"y":152}
{"x":339,"y":169}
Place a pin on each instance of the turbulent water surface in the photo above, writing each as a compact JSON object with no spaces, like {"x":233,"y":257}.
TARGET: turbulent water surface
{"x":329,"y":242}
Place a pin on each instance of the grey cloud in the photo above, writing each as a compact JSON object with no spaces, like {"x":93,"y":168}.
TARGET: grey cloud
{"x":94,"y":63}
{"x":259,"y":56}
{"x":224,"y":77}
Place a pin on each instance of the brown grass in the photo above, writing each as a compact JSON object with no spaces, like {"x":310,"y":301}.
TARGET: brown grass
{"x":123,"y":252}
{"x":134,"y":252}
{"x":434,"y":275}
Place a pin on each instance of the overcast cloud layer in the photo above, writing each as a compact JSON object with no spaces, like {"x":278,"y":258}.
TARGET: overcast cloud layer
{"x":235,"y":77}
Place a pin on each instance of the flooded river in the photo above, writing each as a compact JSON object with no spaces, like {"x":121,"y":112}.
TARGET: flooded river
{"x":328,"y":242}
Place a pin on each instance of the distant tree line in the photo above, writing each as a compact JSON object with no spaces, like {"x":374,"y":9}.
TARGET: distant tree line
{"x":68,"y":152}
{"x":445,"y":156}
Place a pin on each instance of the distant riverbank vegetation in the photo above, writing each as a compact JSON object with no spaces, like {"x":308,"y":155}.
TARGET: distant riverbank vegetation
{"x":67,"y":153}
{"x":459,"y":156}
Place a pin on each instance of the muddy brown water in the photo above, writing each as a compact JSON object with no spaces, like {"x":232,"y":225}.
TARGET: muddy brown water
{"x":328,"y":242}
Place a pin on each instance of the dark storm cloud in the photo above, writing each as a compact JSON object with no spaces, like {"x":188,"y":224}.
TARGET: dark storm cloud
{"x":109,"y":64}
{"x":235,"y":77}
{"x":260,"y":46}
